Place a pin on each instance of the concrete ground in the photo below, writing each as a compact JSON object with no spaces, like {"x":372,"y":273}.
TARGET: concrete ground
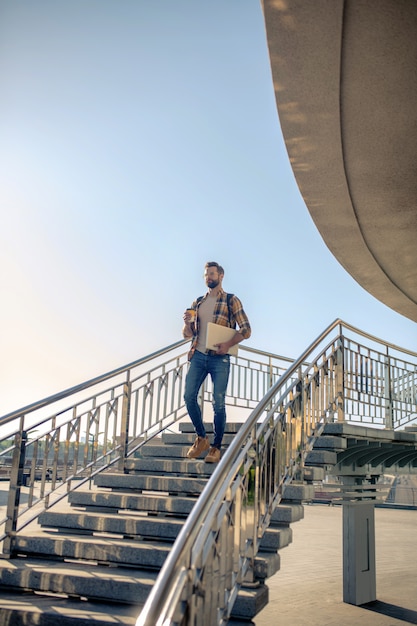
{"x":308,"y":589}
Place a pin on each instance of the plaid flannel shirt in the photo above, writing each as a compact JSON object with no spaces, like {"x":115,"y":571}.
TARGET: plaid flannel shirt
{"x":221,"y":315}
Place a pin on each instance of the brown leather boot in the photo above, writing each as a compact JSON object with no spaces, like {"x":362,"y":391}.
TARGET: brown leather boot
{"x":200,"y":445}
{"x":213,"y":455}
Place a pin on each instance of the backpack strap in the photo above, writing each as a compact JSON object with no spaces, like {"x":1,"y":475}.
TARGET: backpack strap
{"x":229,"y":299}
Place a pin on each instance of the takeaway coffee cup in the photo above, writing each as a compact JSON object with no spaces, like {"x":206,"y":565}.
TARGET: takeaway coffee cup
{"x":191,"y":312}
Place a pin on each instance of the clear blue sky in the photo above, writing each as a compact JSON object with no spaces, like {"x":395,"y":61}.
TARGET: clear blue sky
{"x":140,"y":139}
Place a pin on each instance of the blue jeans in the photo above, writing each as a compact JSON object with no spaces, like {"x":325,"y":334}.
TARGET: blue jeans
{"x":218,"y":366}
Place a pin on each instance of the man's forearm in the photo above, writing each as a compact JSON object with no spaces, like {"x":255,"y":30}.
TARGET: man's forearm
{"x":237,"y":338}
{"x":187,"y":332}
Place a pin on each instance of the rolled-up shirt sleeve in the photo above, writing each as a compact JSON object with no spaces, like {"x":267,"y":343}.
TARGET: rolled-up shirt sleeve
{"x":241,"y":318}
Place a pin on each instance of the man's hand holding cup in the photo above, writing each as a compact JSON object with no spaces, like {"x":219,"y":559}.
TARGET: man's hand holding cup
{"x":189,"y":316}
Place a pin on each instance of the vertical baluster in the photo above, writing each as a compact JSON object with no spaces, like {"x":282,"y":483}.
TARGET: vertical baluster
{"x":388,"y":394}
{"x":16,"y":482}
{"x":340,"y":381}
{"x":124,"y":426}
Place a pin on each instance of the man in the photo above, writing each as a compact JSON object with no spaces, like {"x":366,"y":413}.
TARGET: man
{"x":215,"y":307}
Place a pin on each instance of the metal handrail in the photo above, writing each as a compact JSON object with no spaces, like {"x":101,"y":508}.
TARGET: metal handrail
{"x":366,"y":335}
{"x":178,"y":582}
{"x":152,"y":613}
{"x":67,"y":438}
{"x":163,"y":351}
{"x":109,"y":417}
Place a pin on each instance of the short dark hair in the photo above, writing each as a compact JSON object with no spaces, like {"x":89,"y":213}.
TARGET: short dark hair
{"x":214,"y":264}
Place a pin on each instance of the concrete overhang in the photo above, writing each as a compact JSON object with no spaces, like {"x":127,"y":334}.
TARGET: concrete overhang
{"x":344,"y":75}
{"x":352,"y":450}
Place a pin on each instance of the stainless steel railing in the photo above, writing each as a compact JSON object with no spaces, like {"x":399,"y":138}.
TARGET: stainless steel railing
{"x":57,"y":444}
{"x":215,"y":551}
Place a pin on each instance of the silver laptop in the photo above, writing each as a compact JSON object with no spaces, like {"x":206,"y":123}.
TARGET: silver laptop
{"x":217,"y":334}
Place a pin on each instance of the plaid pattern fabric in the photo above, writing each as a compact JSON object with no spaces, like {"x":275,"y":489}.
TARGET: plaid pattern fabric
{"x":221,"y":315}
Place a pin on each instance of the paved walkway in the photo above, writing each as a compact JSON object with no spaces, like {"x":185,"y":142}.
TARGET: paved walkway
{"x":308,"y":589}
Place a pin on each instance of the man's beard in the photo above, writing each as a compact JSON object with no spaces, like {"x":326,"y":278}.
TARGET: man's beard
{"x":212,"y":284}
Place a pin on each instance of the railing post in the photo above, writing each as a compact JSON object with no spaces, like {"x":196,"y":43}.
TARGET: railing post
{"x":389,"y":411}
{"x":124,"y":427}
{"x":16,"y":482}
{"x":340,"y":384}
{"x":300,"y":412}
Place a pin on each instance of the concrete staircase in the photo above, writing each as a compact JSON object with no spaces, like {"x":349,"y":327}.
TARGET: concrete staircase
{"x":92,"y":560}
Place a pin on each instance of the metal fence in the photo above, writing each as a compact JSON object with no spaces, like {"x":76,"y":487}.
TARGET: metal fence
{"x":60,"y":443}
{"x":215,"y":552}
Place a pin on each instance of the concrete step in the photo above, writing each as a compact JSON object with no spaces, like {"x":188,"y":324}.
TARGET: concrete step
{"x":104,"y":550}
{"x":109,"y":543}
{"x":314,"y":473}
{"x":285,"y":514}
{"x":182,"y":467}
{"x":231,"y":427}
{"x":30,"y":609}
{"x":164,"y":451}
{"x":329,"y":442}
{"x":321,"y":458}
{"x":324,"y":453}
{"x":165,"y":528}
{"x":114,"y":584}
{"x":266,"y":565}
{"x":250,"y":601}
{"x":184,"y":439}
{"x":119,"y":500}
{"x":49,"y":610}
{"x":275,"y":539}
{"x":187,"y":439}
{"x":297,"y":493}
{"x":148,"y":482}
